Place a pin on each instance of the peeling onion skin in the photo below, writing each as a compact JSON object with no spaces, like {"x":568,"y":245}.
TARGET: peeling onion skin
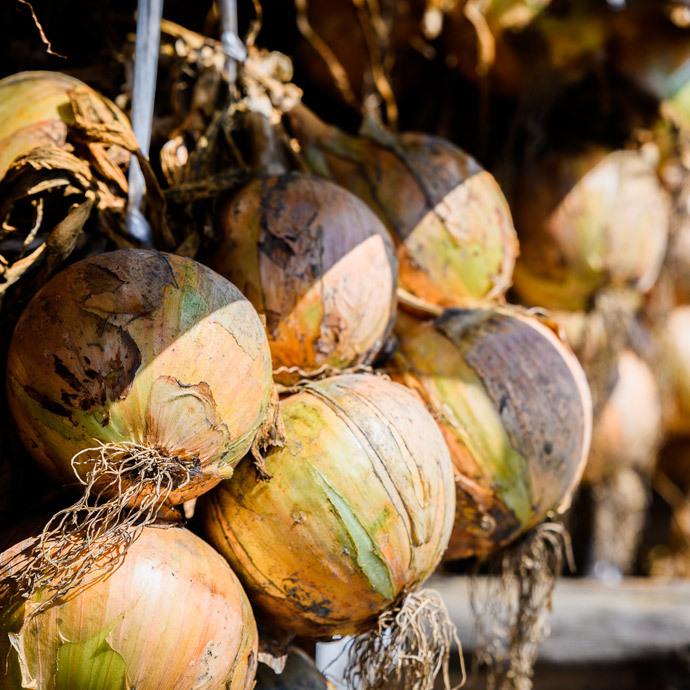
{"x":515,"y":410}
{"x":174,"y":615}
{"x":452,"y":227}
{"x":588,"y":221}
{"x":317,"y":262}
{"x":359,"y":508}
{"x":140,"y":346}
{"x":35,"y":110}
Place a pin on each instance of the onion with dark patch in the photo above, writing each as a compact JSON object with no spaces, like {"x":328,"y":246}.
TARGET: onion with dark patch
{"x":514,"y":407}
{"x":317,"y":262}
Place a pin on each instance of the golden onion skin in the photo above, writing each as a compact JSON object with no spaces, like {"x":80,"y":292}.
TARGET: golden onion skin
{"x":448,"y":217}
{"x":140,"y":346}
{"x":35,"y":110}
{"x":675,"y":351}
{"x":359,"y":507}
{"x":317,"y":262}
{"x":628,"y":430}
{"x":515,"y":410}
{"x":589,"y":221}
{"x":172,"y":616}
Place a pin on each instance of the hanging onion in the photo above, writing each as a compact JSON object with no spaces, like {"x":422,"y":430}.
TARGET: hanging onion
{"x":172,"y":616}
{"x":451,"y":223}
{"x":675,"y":353}
{"x":357,"y":514}
{"x":317,"y":262}
{"x":147,"y":375}
{"x":627,"y":432}
{"x":514,"y":407}
{"x":587,"y":222}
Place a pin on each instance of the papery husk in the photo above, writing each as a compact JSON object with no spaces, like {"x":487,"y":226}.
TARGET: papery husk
{"x":172,"y":616}
{"x":448,"y":217}
{"x":300,"y":673}
{"x":515,"y":410}
{"x":674,"y":345}
{"x":586,"y":222}
{"x":147,"y":376}
{"x":317,"y":263}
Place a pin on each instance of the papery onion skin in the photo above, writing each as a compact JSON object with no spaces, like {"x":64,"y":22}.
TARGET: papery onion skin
{"x":451,"y":223}
{"x":628,"y":430}
{"x":359,"y":507}
{"x":172,"y":616}
{"x":317,"y":262}
{"x":35,"y":110}
{"x":140,"y":346}
{"x":589,"y":221}
{"x":514,"y":407}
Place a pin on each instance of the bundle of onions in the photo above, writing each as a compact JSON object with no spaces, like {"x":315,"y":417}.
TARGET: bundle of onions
{"x":675,"y":357}
{"x":62,"y":151}
{"x":148,"y":376}
{"x":317,"y":262}
{"x":586,"y":222}
{"x":448,"y":217}
{"x":355,"y":517}
{"x":172,"y":616}
{"x":514,"y":407}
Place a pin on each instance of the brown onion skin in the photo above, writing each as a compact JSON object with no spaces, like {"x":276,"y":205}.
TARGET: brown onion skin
{"x":319,"y":265}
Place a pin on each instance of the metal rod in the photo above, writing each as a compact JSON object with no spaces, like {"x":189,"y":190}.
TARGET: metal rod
{"x":232,"y":45}
{"x":149,"y":15}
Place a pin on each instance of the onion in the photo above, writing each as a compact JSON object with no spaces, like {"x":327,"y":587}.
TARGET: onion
{"x":172,"y":616}
{"x":147,"y":375}
{"x":675,"y":350}
{"x":451,"y":223}
{"x":515,"y":410}
{"x":317,"y":262}
{"x":357,"y":514}
{"x":586,"y":222}
{"x":627,"y":432}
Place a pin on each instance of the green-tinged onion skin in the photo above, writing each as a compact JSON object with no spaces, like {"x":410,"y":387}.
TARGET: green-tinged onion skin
{"x":449,"y":219}
{"x":317,"y":262}
{"x":144,"y":347}
{"x":172,"y":616}
{"x":358,"y":510}
{"x":586,"y":222}
{"x":515,"y":410}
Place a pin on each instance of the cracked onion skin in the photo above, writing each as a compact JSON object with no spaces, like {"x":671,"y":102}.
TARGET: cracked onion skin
{"x":140,"y":346}
{"x":451,"y":224}
{"x":515,"y":410}
{"x":358,"y":510}
{"x":317,"y":262}
{"x":588,"y":221}
{"x":35,"y":110}
{"x":174,"y":615}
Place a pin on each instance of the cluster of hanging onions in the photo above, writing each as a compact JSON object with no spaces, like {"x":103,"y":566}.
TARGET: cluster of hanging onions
{"x":317,"y":263}
{"x":356,"y":516}
{"x":172,"y":616}
{"x":515,"y":410}
{"x":589,"y":221}
{"x":448,"y":217}
{"x":149,"y":377}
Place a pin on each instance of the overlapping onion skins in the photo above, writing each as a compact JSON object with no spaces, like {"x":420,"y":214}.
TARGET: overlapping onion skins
{"x":515,"y":410}
{"x":172,"y":616}
{"x":358,"y":510}
{"x":589,"y":221}
{"x":317,"y":262}
{"x":452,"y":226}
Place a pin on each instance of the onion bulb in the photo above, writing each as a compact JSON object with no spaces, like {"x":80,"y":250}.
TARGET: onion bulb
{"x":146,"y":374}
{"x":675,"y":353}
{"x":172,"y":616}
{"x":627,"y":432}
{"x":355,"y":517}
{"x":514,"y":407}
{"x":448,"y":217}
{"x":317,"y":262}
{"x":586,"y":222}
